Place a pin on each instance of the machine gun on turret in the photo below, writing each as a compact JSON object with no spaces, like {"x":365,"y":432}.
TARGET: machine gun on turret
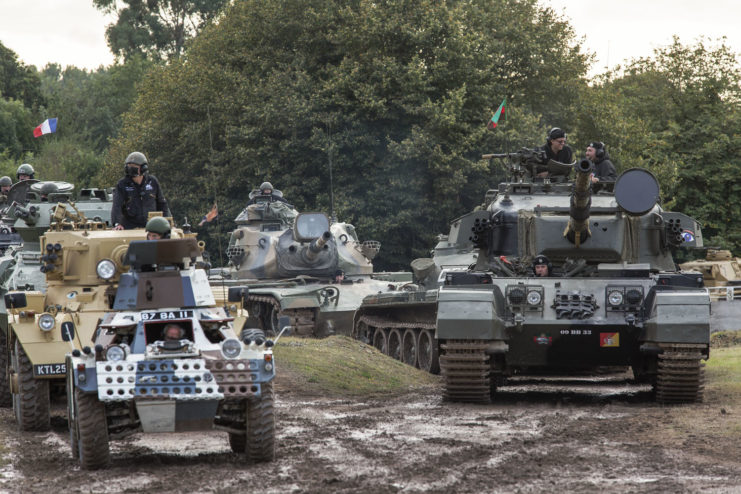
{"x":532,"y":162}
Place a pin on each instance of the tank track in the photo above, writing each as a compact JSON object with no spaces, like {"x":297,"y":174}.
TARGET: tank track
{"x":303,"y":321}
{"x":466,"y":371}
{"x":681,"y":374}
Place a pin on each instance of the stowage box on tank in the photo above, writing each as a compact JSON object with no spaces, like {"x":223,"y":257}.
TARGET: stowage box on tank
{"x":613,"y":296}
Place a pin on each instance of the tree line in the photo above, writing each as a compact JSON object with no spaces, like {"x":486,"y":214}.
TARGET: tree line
{"x":394,"y":94}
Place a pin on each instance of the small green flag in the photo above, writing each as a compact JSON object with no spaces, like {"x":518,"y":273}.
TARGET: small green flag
{"x":495,"y":119}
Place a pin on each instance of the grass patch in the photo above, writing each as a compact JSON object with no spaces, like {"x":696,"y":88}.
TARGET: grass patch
{"x":339,"y":365}
{"x":725,"y":339}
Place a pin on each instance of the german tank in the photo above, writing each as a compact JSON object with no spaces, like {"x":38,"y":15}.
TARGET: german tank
{"x":612,"y":297}
{"x":166,"y":359}
{"x":301,"y":266}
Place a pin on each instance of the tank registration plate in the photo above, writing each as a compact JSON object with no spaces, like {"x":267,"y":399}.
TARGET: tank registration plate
{"x":577,"y":332}
{"x":167,"y":314}
{"x":40,"y":370}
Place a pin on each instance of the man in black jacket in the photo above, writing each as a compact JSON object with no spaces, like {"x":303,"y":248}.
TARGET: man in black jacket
{"x":556,"y":149}
{"x":136,"y":195}
{"x":604,"y":170}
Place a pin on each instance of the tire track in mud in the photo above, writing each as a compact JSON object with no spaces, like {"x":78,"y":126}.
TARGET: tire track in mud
{"x":574,"y":438}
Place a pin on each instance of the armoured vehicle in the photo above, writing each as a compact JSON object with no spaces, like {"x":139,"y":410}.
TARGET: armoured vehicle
{"x":30,"y":215}
{"x":614,"y":296}
{"x":289,"y":262}
{"x":166,"y":359}
{"x":721,"y":273}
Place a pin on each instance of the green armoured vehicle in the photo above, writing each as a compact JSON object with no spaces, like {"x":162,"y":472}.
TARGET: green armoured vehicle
{"x":614,"y":296}
{"x":289,"y":262}
{"x":164,"y":358}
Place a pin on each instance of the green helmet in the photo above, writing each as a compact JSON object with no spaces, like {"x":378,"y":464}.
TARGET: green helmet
{"x":6,"y":181}
{"x":24,"y":169}
{"x":159,"y":224}
{"x":48,"y":188}
{"x":266,"y":185}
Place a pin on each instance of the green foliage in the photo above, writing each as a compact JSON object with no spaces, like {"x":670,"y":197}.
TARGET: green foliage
{"x":396,"y":94}
{"x":18,"y":81}
{"x":16,"y":129}
{"x":64,"y":158}
{"x":155,"y":29}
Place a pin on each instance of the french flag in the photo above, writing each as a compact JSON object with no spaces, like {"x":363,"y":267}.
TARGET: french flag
{"x":48,"y":127}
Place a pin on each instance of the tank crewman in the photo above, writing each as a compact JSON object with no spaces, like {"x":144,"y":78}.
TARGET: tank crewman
{"x":158,"y":228}
{"x":173,"y":332}
{"x":25,"y":172}
{"x":5,"y":184}
{"x":542,"y":266}
{"x":136,"y":195}
{"x":604,"y":170}
{"x":339,"y":276}
{"x":46,"y":189}
{"x":556,"y":149}
{"x":267,"y":190}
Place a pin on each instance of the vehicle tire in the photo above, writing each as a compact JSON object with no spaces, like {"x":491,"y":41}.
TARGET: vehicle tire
{"x":409,"y":347}
{"x":237,"y":442}
{"x":394,"y":344}
{"x":427,"y":352}
{"x":6,"y":398}
{"x":381,"y":341}
{"x":92,"y":430}
{"x":74,"y":438}
{"x":31,"y":404}
{"x":260,"y":436}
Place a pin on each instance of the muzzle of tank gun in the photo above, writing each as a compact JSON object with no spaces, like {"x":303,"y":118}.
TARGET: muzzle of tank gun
{"x":316,"y":246}
{"x":577,"y":230}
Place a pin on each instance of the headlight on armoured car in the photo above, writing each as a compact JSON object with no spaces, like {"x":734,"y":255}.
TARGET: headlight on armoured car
{"x":106,"y":269}
{"x":47,"y":322}
{"x":231,"y":348}
{"x":115,"y":353}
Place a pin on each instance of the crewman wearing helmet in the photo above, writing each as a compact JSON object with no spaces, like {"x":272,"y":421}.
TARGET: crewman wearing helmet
{"x":158,"y":228}
{"x":267,"y":191}
{"x":25,"y":172}
{"x":5,"y":184}
{"x":542,"y":266}
{"x":136,"y":195}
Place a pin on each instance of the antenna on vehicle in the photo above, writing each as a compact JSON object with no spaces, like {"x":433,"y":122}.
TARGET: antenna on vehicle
{"x":331,"y":183}
{"x":216,"y":205}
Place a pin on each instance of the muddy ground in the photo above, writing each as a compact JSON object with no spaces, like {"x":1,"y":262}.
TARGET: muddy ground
{"x":572,"y":435}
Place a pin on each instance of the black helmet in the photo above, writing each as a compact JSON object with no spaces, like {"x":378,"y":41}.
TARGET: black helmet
{"x":24,"y":169}
{"x":136,"y":158}
{"x":266,"y":185}
{"x":159,"y":224}
{"x":6,"y":181}
{"x":540,"y":259}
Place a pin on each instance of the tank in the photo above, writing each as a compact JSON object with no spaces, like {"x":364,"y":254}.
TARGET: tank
{"x":166,"y":359}
{"x":721,"y":273}
{"x":613,"y":298}
{"x":288,"y":261}
{"x":20,"y":266}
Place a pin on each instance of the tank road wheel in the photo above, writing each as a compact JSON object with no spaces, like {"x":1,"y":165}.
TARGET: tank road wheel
{"x":427,"y":352}
{"x":394,"y":344}
{"x":31,"y":404}
{"x":681,"y":374}
{"x":237,"y":442}
{"x":362,"y":332}
{"x":270,"y":320}
{"x":409,"y":347}
{"x":260,"y":437}
{"x":380,"y":341}
{"x":92,"y":431}
{"x":465,"y":368}
{"x":6,"y":399}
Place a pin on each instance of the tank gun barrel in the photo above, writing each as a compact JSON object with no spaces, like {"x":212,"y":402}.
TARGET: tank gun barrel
{"x":317,"y":245}
{"x":581,"y":201}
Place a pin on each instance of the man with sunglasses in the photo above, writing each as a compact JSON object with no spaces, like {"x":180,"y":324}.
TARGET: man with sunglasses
{"x":556,"y":149}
